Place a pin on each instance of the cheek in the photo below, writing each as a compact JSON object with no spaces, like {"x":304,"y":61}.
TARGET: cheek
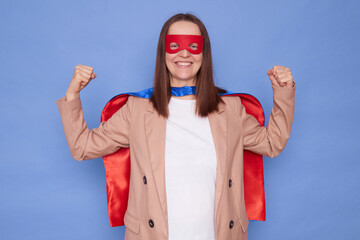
{"x":168,"y":59}
{"x":198,"y":58}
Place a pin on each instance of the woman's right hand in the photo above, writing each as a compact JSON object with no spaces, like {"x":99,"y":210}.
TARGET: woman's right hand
{"x":81,"y":78}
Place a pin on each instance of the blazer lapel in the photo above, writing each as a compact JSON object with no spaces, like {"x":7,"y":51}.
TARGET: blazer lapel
{"x":218,"y":125}
{"x":155,"y":128}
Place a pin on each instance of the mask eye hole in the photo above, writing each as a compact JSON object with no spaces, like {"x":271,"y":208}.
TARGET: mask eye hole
{"x":194,"y":46}
{"x":174,"y":46}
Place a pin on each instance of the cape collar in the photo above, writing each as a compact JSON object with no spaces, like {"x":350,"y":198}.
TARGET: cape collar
{"x":176,"y":91}
{"x":183,"y":91}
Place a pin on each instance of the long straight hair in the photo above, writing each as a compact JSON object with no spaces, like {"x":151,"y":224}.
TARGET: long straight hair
{"x":207,"y":94}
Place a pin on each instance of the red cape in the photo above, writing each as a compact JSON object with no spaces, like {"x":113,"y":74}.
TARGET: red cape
{"x":117,"y":167}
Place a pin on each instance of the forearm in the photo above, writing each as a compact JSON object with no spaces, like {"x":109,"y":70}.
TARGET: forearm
{"x":71,"y":96}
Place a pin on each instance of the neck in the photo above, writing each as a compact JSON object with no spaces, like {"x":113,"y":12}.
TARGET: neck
{"x":182,"y":83}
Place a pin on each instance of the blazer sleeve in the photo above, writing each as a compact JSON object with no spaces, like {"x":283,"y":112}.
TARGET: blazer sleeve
{"x":106,"y":139}
{"x":270,"y":140}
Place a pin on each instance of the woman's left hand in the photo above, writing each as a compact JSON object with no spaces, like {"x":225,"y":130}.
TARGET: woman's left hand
{"x":281,"y":76}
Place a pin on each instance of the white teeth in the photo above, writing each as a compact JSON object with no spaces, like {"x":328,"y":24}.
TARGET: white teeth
{"x":183,"y":63}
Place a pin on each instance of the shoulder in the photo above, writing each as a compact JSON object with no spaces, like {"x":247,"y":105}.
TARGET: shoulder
{"x":230,"y":99}
{"x":139,"y":103}
{"x":232,"y":102}
{"x":138,"y":100}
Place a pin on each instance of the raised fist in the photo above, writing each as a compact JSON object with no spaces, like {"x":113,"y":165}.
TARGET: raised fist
{"x":81,"y":78}
{"x":281,"y":76}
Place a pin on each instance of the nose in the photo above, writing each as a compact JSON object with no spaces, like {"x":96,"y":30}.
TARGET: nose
{"x":184,"y":53}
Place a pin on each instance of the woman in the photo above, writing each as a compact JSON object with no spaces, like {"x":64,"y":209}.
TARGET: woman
{"x":193,"y":143}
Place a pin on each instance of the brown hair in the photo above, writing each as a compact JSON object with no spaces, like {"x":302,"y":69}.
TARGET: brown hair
{"x":207,"y":96}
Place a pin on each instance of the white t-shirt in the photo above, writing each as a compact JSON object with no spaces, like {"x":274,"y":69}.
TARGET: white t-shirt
{"x":190,"y":173}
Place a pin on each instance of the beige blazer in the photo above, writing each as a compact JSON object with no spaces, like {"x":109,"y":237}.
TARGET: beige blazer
{"x":138,"y":126}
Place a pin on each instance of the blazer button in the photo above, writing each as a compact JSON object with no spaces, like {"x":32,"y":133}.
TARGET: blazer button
{"x":230,"y":182}
{"x":151,"y":223}
{"x":144,"y":179}
{"x":231,"y":224}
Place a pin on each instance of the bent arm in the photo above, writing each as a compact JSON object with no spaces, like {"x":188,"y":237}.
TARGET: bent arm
{"x":106,"y":139}
{"x":270,"y":140}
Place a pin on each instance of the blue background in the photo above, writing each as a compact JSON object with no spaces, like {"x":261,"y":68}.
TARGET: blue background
{"x":312,"y":187}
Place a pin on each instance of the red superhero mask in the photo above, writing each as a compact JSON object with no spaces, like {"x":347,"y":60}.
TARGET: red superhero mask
{"x":176,"y":43}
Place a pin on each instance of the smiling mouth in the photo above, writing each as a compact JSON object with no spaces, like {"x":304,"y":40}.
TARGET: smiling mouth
{"x":183,"y":63}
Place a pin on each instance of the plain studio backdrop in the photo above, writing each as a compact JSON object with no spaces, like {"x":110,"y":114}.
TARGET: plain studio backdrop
{"x":312,"y":187}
